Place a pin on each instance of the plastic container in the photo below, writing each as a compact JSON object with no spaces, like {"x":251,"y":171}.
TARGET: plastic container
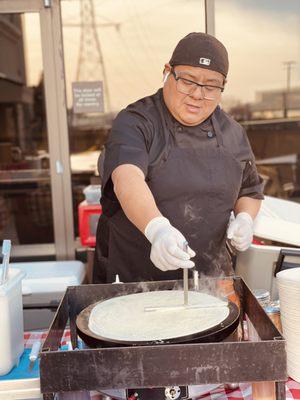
{"x":11,"y":321}
{"x":263,"y":297}
{"x":273,"y":311}
{"x":88,"y":215}
{"x":257,"y":265}
{"x":92,"y":194}
{"x":43,"y":287}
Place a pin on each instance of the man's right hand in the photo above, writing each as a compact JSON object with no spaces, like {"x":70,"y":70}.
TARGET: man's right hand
{"x":167,"y":246}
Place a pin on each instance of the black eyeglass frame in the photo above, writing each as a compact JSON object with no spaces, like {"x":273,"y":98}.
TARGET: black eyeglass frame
{"x":195,"y":83}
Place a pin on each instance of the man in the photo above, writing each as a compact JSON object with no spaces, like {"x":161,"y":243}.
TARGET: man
{"x":175,"y":168}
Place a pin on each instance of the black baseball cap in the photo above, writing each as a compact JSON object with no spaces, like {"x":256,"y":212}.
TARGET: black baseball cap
{"x":200,"y":49}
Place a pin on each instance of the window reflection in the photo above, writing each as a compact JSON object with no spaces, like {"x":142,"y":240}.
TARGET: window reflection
{"x":125,"y":44}
{"x":263,"y":90}
{"x":25,"y":190}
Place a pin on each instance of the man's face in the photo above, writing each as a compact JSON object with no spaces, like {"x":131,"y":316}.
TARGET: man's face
{"x":191,"y":109}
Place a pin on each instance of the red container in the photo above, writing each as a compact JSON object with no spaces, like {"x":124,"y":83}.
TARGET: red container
{"x":88,"y":216}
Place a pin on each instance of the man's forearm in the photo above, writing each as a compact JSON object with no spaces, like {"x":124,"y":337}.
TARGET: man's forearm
{"x":248,"y":205}
{"x":134,"y":195}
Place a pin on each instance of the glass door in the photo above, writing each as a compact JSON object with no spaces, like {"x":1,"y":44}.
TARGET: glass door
{"x":123,"y":45}
{"x":35,"y":186}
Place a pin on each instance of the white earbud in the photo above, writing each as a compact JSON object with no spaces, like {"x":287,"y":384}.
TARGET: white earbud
{"x":166,"y":77}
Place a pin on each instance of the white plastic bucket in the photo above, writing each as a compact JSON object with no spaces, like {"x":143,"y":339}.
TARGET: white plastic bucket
{"x":11,"y":321}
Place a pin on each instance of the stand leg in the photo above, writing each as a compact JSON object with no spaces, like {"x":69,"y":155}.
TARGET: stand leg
{"x":280,"y":390}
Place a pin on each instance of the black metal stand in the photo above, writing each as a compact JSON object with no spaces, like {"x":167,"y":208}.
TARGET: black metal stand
{"x":159,"y":365}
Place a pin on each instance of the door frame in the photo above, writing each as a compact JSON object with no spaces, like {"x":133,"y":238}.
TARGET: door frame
{"x":57,"y":126}
{"x":209,"y":6}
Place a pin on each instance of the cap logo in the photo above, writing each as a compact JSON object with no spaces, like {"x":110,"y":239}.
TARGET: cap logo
{"x":204,"y":61}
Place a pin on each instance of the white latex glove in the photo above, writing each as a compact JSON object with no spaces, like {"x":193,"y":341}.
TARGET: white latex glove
{"x":167,"y":245}
{"x":240,"y":231}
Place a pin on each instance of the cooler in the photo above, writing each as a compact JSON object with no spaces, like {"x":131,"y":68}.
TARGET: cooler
{"x":279,"y":221}
{"x":88,"y":215}
{"x":43,"y":286}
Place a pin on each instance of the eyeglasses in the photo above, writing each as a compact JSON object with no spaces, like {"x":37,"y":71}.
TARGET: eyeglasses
{"x":186,"y":86}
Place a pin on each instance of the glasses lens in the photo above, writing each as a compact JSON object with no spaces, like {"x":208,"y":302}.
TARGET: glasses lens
{"x":188,"y":87}
{"x":210,"y":92}
{"x":185,"y":86}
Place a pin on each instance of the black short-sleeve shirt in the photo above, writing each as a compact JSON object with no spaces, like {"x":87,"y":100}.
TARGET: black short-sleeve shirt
{"x":138,"y":137}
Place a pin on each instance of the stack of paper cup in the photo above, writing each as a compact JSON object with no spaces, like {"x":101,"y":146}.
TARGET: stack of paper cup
{"x":288,"y":282}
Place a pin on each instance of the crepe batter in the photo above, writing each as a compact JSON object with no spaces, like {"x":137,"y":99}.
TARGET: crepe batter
{"x":125,"y":318}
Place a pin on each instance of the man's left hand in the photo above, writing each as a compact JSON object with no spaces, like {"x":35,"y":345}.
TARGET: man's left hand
{"x":240,"y":231}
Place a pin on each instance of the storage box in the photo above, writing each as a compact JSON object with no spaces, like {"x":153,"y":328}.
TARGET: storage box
{"x":278,"y":220}
{"x":257,"y":266}
{"x":11,"y":321}
{"x":88,"y":215}
{"x":43,"y":286}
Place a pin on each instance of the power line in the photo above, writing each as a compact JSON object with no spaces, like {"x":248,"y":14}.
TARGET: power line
{"x":288,"y":65}
{"x":90,"y":64}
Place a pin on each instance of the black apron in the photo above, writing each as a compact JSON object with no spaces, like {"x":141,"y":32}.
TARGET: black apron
{"x":196,"y":189}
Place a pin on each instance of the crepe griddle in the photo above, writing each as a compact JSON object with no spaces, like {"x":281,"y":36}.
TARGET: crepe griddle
{"x":216,"y":333}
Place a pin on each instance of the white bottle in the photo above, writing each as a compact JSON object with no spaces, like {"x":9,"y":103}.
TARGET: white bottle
{"x":117,"y":279}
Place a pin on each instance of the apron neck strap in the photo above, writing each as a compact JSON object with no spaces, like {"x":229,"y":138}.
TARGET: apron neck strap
{"x":217,"y":128}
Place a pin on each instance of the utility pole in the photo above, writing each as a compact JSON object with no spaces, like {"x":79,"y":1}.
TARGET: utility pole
{"x":90,"y":63}
{"x":288,"y":65}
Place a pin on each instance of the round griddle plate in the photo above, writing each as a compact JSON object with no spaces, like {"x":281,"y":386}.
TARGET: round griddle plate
{"x":216,"y":333}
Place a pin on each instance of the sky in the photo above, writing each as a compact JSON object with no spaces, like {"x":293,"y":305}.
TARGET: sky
{"x":259,"y":35}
